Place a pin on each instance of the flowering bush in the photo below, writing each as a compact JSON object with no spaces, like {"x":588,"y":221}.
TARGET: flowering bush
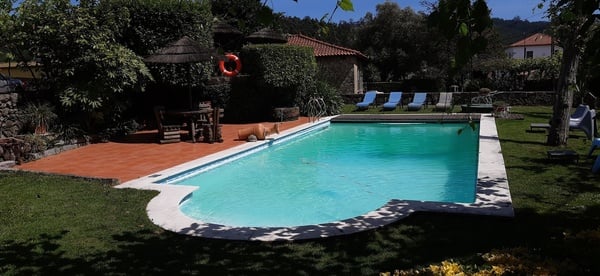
{"x":512,"y":261}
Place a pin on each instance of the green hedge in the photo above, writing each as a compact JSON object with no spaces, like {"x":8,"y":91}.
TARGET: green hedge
{"x":275,"y":75}
{"x":280,"y":66}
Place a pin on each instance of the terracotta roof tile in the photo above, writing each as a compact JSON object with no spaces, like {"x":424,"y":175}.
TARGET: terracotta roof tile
{"x":537,"y":39}
{"x":322,"y":48}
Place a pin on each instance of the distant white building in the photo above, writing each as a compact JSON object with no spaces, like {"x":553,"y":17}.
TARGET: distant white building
{"x":535,"y":46}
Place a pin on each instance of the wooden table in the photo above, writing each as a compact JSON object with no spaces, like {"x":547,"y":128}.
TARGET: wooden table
{"x":207,"y":116}
{"x":192,"y":117}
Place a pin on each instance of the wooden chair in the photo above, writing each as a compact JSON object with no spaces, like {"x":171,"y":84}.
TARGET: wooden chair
{"x":211,"y":127}
{"x":216,"y":125}
{"x":167,"y":132}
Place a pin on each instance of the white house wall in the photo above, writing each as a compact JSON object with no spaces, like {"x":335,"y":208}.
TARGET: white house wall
{"x":538,"y":51}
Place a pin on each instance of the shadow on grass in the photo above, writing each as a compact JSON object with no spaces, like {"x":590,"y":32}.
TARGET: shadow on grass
{"x":421,"y":239}
{"x":534,"y":116}
{"x":521,"y":142}
{"x":578,"y":170}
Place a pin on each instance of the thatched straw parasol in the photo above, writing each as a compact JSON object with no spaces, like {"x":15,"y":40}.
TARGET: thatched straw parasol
{"x":184,"y":50}
{"x":226,"y":29}
{"x":266,"y":35}
{"x":227,"y":36}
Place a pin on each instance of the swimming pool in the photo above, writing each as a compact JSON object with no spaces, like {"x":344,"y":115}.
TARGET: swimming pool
{"x":337,"y":172}
{"x":492,"y":195}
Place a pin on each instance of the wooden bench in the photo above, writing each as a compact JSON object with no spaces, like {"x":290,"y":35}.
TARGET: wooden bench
{"x":536,"y":126}
{"x":167,"y":133}
{"x":560,"y":155}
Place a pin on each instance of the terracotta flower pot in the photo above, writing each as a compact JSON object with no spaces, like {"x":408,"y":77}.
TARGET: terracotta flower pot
{"x":258,"y":130}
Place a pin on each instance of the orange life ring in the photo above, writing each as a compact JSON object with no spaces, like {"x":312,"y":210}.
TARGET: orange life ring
{"x":238,"y":65}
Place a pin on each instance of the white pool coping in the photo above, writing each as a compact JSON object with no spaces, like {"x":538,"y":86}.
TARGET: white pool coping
{"x":492,"y":197}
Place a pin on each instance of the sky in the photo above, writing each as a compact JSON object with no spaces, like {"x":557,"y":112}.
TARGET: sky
{"x":505,"y":9}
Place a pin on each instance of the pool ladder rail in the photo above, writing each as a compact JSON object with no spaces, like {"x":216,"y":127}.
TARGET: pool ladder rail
{"x":316,"y":108}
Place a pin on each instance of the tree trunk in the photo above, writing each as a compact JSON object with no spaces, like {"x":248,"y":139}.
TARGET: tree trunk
{"x":567,"y":80}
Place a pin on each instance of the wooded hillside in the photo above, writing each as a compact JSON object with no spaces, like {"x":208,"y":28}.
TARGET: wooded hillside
{"x":513,"y":30}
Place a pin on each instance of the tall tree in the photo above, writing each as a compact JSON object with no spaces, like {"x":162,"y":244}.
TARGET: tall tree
{"x":463,"y":24}
{"x":574,"y":24}
{"x":396,"y":39}
{"x":324,"y":24}
{"x":246,"y":15}
{"x":147,"y":25}
{"x":589,"y":72}
{"x":81,"y":60}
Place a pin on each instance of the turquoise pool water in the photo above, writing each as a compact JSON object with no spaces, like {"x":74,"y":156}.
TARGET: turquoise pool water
{"x":339,"y":172}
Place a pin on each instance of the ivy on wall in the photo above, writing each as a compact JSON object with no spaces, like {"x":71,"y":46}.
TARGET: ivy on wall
{"x":281,"y":66}
{"x":281,"y":75}
{"x":274,"y":76}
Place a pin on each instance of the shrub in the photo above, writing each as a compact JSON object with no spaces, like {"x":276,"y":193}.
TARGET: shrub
{"x":217,"y":93}
{"x":119,"y":130}
{"x":35,"y":144}
{"x":281,"y":75}
{"x":331,"y":98}
{"x":39,"y":116}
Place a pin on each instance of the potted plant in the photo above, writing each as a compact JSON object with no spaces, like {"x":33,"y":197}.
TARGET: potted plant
{"x":40,"y":116}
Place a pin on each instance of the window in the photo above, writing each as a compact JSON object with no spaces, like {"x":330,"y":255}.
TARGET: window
{"x":529,"y":54}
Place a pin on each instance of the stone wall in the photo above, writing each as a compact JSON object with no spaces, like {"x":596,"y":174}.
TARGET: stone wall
{"x":9,"y":125}
{"x":10,"y":147}
{"x":525,"y":98}
{"x":339,"y":72}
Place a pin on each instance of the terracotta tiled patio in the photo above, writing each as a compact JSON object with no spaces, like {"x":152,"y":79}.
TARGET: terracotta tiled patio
{"x":136,"y":156}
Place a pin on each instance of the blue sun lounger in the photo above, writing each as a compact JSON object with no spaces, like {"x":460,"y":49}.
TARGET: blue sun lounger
{"x":394,"y":100}
{"x":417,"y":102}
{"x":595,"y":145}
{"x":368,"y":100}
{"x":584,"y":119}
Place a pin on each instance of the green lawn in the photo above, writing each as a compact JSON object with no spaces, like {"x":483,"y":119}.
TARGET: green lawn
{"x":59,"y":225}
